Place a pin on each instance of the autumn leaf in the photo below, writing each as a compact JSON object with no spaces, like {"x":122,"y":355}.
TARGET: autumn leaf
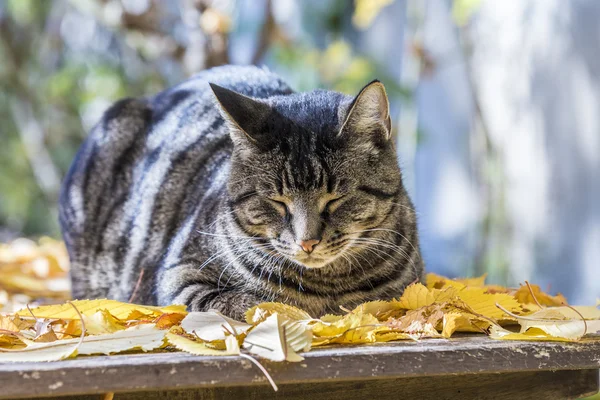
{"x":498,"y":332}
{"x":484,"y":303}
{"x":559,"y":322}
{"x":89,"y":307}
{"x":262,"y":311}
{"x":101,"y":322}
{"x":166,"y":321}
{"x":278,"y":339}
{"x":143,"y":337}
{"x":199,"y":347}
{"x":416,"y":296}
{"x":456,"y":321}
{"x":212,"y":325}
{"x":434,"y":281}
{"x":351,"y":328}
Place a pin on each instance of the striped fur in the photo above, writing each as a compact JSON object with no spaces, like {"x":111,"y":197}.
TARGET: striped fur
{"x":202,"y":202}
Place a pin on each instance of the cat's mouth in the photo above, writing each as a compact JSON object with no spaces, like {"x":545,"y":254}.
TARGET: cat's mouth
{"x":312,"y":261}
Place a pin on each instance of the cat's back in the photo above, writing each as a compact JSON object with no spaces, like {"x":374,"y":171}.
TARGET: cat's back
{"x":137,"y":177}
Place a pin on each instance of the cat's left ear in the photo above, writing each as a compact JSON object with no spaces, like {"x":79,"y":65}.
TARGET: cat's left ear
{"x":369,"y":113}
{"x":244,"y":115}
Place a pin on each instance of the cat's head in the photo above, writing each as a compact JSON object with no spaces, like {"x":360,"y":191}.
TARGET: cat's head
{"x":310,"y":172}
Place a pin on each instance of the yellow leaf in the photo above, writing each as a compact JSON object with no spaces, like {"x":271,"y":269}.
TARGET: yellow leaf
{"x":351,"y":328}
{"x":390,"y":336}
{"x":173,"y":308}
{"x":200,"y":348}
{"x":348,"y":321}
{"x":434,"y":281}
{"x":330,"y":318}
{"x":101,"y":322}
{"x":485,"y":303}
{"x":523,"y":296}
{"x":416,"y":296}
{"x":497,"y":332}
{"x":166,"y":321}
{"x":462,"y":322}
{"x":260,"y":312}
{"x":7,"y":324}
{"x":90,"y":307}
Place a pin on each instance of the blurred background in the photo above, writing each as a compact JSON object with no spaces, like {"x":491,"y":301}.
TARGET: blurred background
{"x":495,"y":105}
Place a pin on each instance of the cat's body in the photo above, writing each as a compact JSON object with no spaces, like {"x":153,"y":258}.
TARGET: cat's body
{"x":160,"y":198}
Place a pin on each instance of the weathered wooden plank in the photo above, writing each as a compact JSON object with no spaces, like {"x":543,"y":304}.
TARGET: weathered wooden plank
{"x":545,"y":385}
{"x":168,"y":371}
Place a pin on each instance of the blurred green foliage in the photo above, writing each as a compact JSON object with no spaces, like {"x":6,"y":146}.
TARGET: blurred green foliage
{"x":63,"y":62}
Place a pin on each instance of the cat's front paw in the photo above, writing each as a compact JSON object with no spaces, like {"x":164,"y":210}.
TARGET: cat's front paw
{"x":229,"y":303}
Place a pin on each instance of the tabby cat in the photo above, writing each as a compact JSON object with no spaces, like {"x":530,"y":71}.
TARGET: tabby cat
{"x":230,"y":189}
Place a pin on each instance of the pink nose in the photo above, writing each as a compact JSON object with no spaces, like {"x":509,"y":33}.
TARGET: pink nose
{"x":308,"y":245}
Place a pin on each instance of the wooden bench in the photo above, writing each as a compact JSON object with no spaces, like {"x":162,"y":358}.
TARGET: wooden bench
{"x":470,"y":366}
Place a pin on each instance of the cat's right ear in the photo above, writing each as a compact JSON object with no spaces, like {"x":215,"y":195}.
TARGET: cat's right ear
{"x":244,"y":116}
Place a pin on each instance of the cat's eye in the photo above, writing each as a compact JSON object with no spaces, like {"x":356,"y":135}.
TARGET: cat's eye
{"x":334,"y":203}
{"x":281,"y":207}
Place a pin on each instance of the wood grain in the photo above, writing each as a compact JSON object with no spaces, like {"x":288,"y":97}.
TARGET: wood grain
{"x":526,"y":385}
{"x":389,"y":361}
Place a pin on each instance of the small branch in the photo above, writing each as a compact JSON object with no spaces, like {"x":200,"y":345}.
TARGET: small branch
{"x":533,"y":295}
{"x":137,"y":286}
{"x":262,"y":369}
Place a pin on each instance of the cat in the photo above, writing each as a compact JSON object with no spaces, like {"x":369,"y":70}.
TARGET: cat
{"x":230,"y":189}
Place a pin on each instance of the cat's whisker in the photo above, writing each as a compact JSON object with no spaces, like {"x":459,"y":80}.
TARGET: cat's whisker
{"x":228,"y":236}
{"x":391,"y":231}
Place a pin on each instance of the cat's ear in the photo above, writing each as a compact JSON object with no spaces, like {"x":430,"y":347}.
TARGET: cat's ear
{"x":245,"y":116}
{"x":369,"y":113}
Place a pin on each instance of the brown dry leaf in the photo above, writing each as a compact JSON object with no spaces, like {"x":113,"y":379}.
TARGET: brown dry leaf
{"x":429,"y":315}
{"x":523,"y":296}
{"x":47,"y":337}
{"x":166,"y":321}
{"x":7,"y":323}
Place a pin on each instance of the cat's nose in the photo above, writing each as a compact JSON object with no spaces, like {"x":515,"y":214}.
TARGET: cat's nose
{"x":308,"y":245}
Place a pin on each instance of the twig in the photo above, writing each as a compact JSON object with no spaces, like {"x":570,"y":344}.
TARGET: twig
{"x":137,"y":286}
{"x":533,"y":295}
{"x":82,"y":327}
{"x":581,"y":315}
{"x":344,"y":309}
{"x":263,"y":370}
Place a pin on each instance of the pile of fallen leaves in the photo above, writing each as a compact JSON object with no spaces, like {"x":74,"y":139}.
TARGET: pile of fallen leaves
{"x":33,"y":273}
{"x":437,"y":308}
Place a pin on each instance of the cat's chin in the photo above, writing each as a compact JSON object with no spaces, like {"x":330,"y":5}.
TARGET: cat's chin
{"x":313,"y":262}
